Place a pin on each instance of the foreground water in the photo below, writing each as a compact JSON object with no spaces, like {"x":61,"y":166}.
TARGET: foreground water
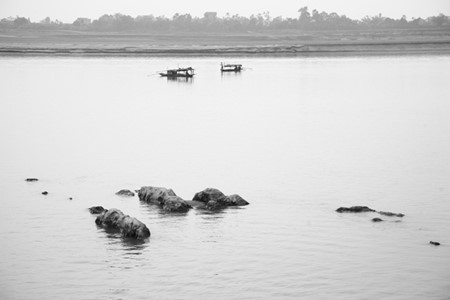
{"x":296,"y":137}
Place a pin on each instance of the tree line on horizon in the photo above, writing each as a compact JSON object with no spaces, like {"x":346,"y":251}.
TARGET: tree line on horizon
{"x":210,"y":22}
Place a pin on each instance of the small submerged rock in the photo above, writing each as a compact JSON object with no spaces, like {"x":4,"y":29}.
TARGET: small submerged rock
{"x":44,"y":193}
{"x":391,"y":214}
{"x":96,"y":210}
{"x":31,"y":179}
{"x":377,"y":220}
{"x":128,"y":226}
{"x":435,"y":243}
{"x":125,"y":193}
{"x":355,"y":209}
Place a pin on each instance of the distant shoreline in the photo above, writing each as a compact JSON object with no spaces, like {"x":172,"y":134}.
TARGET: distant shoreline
{"x":278,"y":44}
{"x":332,"y":49}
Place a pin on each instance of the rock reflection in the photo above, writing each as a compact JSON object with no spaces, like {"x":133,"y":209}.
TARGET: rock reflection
{"x":156,"y":210}
{"x":131,"y":246}
{"x":211,"y":214}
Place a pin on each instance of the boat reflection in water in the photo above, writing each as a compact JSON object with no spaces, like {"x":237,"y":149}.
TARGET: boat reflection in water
{"x":180,"y":79}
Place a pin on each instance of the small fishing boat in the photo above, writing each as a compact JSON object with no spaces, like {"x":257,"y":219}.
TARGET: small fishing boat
{"x":180,"y":72}
{"x":230,"y":67}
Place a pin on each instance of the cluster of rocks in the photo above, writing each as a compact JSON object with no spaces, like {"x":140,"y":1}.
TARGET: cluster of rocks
{"x":116,"y":219}
{"x":360,"y":209}
{"x":32,"y":179}
{"x":210,"y":199}
{"x":213,"y":199}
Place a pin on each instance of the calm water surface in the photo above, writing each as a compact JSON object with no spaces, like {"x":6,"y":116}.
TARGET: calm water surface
{"x":295,"y":137}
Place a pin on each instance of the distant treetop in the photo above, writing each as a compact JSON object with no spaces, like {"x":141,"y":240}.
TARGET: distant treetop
{"x":210,"y":22}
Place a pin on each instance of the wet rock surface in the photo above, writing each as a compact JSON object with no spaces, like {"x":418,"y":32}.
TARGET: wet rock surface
{"x":128,"y":226}
{"x":155,"y":195}
{"x":164,"y":197}
{"x":176,"y":204}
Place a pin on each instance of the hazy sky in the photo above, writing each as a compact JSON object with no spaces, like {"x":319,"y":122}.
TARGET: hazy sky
{"x":69,"y":10}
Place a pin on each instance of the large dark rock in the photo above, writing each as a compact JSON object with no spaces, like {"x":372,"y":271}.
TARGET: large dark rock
{"x":155,"y":195}
{"x":31,"y":179}
{"x":125,"y":193}
{"x":390,"y":214}
{"x":215,"y":199}
{"x":355,"y":209}
{"x":176,"y":204}
{"x":95,"y":210}
{"x":210,"y":194}
{"x":128,"y":226}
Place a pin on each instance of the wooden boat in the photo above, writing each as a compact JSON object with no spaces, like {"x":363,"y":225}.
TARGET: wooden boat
{"x":230,"y":67}
{"x":180,"y":72}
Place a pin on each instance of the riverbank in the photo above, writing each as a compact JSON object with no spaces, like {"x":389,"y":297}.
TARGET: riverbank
{"x":285,"y":43}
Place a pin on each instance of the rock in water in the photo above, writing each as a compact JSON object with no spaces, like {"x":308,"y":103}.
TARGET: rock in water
{"x":390,"y":214}
{"x":176,"y":204}
{"x":132,"y":227}
{"x":209,"y":194}
{"x":125,"y":193}
{"x":128,"y":226}
{"x":31,"y":179}
{"x":355,"y":209}
{"x":215,"y":199}
{"x":237,"y":200}
{"x":155,"y":195}
{"x":96,"y":210}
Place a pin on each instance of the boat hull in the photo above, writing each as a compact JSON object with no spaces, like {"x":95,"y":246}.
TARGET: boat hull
{"x":178,"y":75}
{"x":231,"y":70}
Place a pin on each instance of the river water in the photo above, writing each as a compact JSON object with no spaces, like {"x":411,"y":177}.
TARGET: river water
{"x":296,"y":137}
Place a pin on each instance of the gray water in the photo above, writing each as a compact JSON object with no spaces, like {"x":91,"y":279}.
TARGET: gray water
{"x":296,"y":137}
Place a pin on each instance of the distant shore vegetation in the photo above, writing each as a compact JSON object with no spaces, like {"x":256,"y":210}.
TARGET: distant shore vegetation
{"x":210,"y":22}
